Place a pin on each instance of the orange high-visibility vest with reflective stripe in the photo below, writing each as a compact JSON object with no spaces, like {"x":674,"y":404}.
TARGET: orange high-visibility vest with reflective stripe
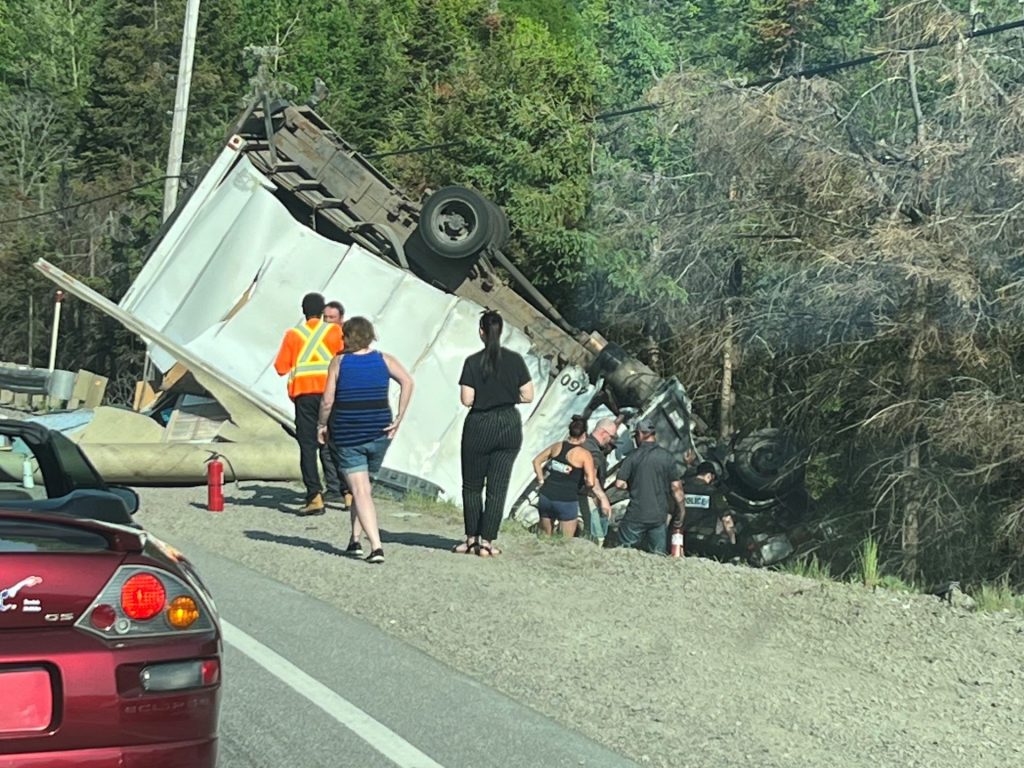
{"x":309,"y":373}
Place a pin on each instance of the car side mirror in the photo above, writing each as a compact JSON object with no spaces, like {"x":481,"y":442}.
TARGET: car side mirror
{"x":127,"y":495}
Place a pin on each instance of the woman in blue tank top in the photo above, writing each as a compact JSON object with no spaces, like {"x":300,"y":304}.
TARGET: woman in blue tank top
{"x":355,"y":404}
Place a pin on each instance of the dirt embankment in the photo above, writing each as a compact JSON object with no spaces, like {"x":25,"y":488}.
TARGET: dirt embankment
{"x":672,"y":663}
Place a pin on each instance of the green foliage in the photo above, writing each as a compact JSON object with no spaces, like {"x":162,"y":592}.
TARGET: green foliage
{"x":56,"y":41}
{"x":516,"y":99}
{"x":997,"y":597}
{"x":822,"y":475}
{"x":133,"y":83}
{"x":895,"y":584}
{"x":868,"y":571}
{"x":808,"y":567}
{"x":561,"y":17}
{"x":8,"y":53}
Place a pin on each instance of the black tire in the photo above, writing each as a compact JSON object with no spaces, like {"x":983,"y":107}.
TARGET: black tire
{"x":765,"y":464}
{"x":457,"y":222}
{"x":500,"y":230}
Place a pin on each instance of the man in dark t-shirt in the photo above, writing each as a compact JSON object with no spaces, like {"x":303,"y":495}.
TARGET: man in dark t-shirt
{"x":655,"y":490}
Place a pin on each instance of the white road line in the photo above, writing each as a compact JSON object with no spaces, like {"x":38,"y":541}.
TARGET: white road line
{"x":380,"y":737}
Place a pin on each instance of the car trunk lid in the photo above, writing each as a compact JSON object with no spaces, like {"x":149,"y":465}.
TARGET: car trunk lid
{"x":52,"y":569}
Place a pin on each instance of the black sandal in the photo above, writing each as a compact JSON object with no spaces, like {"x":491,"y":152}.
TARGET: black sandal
{"x":469,"y":547}
{"x":490,"y":549}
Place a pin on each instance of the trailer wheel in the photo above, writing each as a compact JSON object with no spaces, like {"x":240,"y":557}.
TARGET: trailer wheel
{"x":456,"y":222}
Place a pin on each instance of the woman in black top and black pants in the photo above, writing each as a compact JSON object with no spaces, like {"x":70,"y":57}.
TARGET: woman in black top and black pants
{"x":493,"y":382}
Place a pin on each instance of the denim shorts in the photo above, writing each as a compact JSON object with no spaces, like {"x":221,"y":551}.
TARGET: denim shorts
{"x":564,"y":511}
{"x":366,"y":457}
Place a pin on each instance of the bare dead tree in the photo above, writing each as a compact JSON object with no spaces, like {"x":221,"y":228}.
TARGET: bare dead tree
{"x":31,"y":141}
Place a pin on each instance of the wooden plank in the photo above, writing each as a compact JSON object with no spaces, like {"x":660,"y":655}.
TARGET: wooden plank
{"x":97,"y":389}
{"x":81,"y":388}
{"x":144,"y":395}
{"x":173,"y":376}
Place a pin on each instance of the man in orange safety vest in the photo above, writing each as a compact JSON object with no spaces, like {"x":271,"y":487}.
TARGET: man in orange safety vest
{"x":306,"y":352}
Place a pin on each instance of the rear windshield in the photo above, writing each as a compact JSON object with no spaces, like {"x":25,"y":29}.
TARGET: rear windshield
{"x":31,"y":536}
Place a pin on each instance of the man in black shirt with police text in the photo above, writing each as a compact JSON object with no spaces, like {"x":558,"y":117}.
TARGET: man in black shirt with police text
{"x":708,"y":527}
{"x":655,"y":490}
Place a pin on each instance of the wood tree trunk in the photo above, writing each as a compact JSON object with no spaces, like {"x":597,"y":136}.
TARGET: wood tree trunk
{"x":913,"y":506}
{"x":727,"y":398}
{"x":910,"y":538}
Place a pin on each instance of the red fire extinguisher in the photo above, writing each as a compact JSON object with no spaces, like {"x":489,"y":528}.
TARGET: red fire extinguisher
{"x":215,"y":484}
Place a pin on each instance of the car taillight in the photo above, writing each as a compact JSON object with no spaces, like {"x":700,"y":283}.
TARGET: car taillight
{"x":143,"y":597}
{"x":211,"y":672}
{"x":180,"y":675}
{"x":103,"y":617}
{"x":182,"y":612}
{"x":143,"y":601}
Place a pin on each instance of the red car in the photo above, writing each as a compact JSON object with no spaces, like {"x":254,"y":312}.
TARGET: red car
{"x":110,"y":645}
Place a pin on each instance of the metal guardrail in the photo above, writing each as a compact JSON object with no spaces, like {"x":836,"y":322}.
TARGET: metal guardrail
{"x":25,"y":387}
{"x":28,"y":381}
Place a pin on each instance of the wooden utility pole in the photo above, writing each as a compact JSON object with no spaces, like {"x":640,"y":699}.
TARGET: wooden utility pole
{"x":180,"y":118}
{"x":174,"y":150}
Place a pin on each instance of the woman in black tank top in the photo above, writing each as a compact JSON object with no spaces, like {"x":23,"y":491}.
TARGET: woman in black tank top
{"x":564,"y":471}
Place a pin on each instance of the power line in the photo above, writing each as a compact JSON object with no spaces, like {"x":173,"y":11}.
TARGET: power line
{"x":824,"y":69}
{"x":415,"y":150}
{"x":629,"y":111}
{"x":90,"y":201}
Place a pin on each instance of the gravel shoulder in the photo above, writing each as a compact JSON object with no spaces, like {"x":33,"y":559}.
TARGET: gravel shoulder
{"x":672,"y":663}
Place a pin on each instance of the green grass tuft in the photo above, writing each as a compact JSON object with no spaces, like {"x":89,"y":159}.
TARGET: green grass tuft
{"x":809,"y":568}
{"x":867,"y":563}
{"x":427,"y":505}
{"x":510,"y":527}
{"x":998,"y":597}
{"x":896,"y":584}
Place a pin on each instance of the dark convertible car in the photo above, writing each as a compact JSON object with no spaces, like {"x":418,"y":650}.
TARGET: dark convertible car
{"x":110,"y":646}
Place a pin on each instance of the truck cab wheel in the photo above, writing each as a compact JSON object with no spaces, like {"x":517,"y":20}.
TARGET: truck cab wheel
{"x":457,"y":222}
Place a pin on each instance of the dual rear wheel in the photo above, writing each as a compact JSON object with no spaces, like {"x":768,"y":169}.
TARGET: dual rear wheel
{"x":457,"y":222}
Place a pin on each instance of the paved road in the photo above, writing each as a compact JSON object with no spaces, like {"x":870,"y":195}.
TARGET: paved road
{"x":307,"y":686}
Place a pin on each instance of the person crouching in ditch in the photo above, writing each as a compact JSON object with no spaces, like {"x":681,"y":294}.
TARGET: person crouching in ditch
{"x":709,"y":529}
{"x":355,"y":402}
